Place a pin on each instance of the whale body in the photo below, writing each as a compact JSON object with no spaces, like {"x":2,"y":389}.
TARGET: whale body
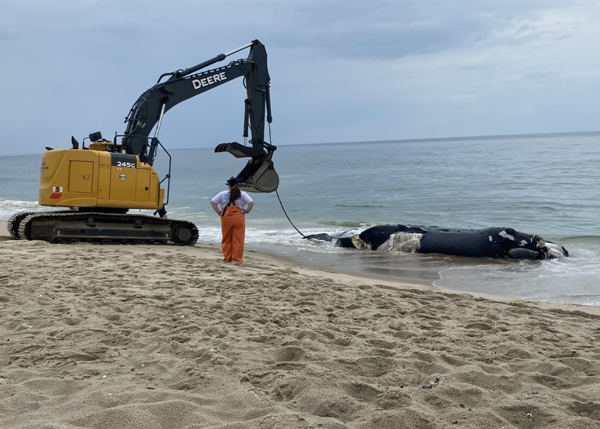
{"x":492,"y":242}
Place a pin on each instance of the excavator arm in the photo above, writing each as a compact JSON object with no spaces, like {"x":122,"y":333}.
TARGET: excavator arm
{"x":147,"y":113}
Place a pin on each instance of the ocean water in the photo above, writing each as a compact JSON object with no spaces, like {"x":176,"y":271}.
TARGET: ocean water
{"x":547,"y":185}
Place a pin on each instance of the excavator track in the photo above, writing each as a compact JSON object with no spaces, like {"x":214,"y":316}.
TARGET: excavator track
{"x":105,"y":228}
{"x":13,"y":223}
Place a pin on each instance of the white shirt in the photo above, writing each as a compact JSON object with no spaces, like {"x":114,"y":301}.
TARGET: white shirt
{"x":222,"y":198}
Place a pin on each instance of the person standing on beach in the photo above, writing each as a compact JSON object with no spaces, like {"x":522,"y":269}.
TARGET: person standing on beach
{"x":234,"y":205}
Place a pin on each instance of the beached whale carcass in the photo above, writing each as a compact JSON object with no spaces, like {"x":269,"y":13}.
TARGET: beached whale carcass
{"x":478,"y":243}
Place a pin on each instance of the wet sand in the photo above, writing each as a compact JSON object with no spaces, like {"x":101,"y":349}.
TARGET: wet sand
{"x":171,"y":337}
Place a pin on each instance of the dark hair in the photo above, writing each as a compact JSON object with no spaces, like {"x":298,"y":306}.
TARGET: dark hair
{"x":234,"y":193}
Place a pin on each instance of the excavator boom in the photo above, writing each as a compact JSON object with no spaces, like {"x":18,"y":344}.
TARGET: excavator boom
{"x":147,"y":112}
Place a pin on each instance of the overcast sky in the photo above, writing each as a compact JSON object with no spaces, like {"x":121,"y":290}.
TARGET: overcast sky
{"x":341,"y":70}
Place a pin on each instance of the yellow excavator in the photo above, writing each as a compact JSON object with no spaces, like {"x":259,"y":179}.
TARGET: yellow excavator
{"x":97,"y":185}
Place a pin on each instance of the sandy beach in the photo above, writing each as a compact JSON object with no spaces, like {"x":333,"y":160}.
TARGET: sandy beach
{"x":171,"y":337}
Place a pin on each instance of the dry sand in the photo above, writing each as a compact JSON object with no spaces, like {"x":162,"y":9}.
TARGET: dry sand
{"x":168,"y":337}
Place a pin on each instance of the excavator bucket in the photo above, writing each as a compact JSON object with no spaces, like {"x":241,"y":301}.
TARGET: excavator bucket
{"x":236,"y":149}
{"x":259,"y":177}
{"x":259,"y":174}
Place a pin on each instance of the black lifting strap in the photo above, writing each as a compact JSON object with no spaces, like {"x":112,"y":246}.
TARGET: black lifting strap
{"x":276,"y":191}
{"x":286,"y":215}
{"x":229,"y":204}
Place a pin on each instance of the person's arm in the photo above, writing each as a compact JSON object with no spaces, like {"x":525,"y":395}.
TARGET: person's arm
{"x":248,"y":201}
{"x":215,"y":207}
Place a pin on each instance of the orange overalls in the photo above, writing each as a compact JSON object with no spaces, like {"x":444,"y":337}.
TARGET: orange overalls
{"x":233,"y":227}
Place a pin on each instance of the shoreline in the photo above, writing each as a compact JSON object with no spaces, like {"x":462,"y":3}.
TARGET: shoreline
{"x":399,"y":283}
{"x":153,"y":337}
{"x":336,"y":274}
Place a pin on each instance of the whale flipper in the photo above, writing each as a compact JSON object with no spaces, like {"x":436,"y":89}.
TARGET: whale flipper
{"x":522,"y":253}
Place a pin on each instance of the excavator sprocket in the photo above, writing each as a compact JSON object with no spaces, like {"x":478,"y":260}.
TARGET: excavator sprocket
{"x":105,"y":228}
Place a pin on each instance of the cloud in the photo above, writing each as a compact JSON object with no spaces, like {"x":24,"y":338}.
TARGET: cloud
{"x":341,"y":71}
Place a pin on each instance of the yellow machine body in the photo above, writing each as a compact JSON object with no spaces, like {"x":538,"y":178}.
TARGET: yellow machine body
{"x":98,"y":178}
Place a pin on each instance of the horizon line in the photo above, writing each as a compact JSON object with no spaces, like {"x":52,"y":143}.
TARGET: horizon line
{"x":410,"y":140}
